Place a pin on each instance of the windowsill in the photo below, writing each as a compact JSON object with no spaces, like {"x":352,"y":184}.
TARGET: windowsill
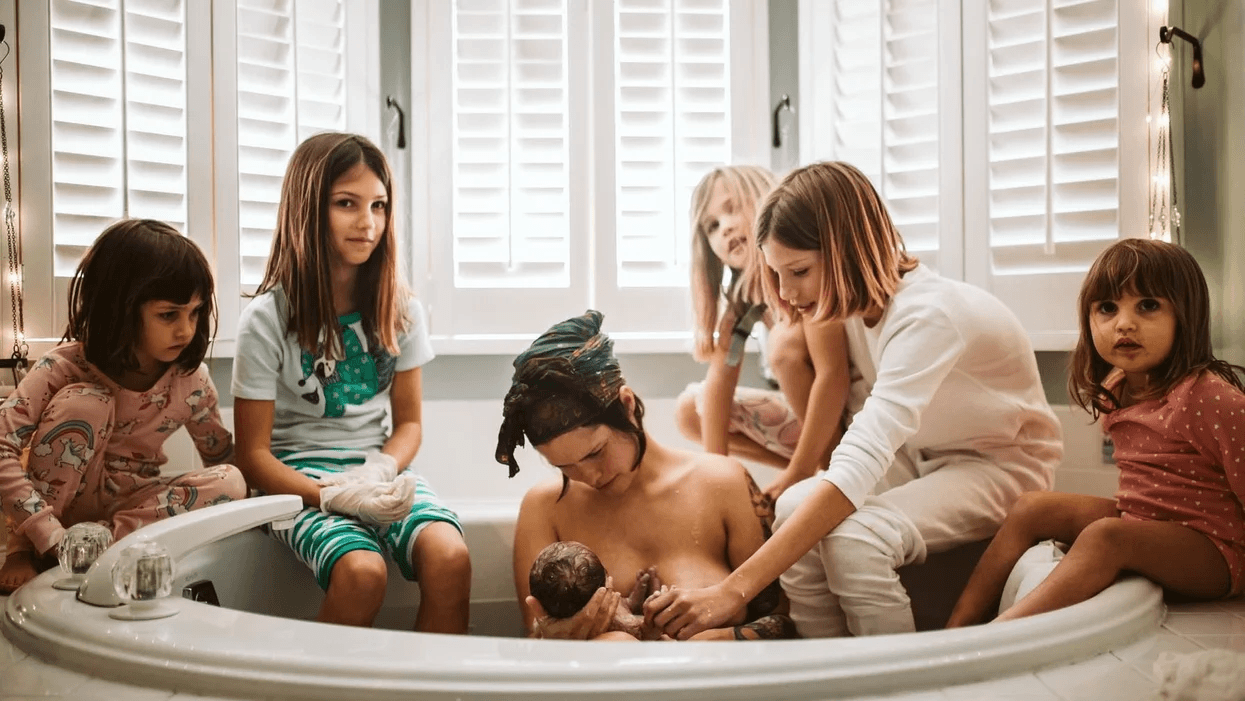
{"x":513,"y":344}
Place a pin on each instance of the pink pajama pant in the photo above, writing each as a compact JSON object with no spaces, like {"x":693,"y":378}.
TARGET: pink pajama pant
{"x":73,"y":475}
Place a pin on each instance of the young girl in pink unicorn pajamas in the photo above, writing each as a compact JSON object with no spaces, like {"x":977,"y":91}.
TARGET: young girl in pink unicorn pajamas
{"x":94,"y":412}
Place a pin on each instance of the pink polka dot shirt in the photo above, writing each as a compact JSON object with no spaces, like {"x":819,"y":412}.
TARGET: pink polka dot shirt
{"x":1182,"y":459}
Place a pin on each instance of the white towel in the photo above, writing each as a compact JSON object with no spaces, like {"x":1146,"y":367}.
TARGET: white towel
{"x":1209,"y":675}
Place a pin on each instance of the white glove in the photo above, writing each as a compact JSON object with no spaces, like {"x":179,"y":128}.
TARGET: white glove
{"x":376,"y":467}
{"x":377,"y":503}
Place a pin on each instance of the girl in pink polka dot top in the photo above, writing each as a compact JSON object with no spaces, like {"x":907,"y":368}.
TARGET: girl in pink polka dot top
{"x":1176,"y":415}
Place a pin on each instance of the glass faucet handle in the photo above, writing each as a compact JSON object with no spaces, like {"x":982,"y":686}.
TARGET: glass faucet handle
{"x":143,"y":576}
{"x":80,"y":547}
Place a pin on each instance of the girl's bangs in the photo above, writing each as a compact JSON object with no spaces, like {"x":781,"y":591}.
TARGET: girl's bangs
{"x":1125,"y":270}
{"x":177,"y":276}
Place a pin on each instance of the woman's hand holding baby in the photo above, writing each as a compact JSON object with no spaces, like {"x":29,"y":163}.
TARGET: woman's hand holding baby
{"x":592,"y":621}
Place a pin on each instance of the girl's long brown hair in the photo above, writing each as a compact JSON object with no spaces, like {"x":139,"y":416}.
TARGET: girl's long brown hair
{"x":746,"y":185}
{"x":832,"y":208}
{"x":1146,"y":268}
{"x":301,"y":248}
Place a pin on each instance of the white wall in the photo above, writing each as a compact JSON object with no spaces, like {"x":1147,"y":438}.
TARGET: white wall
{"x":461,"y":435}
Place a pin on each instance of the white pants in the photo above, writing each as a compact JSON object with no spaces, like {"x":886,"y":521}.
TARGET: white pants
{"x":848,"y":584}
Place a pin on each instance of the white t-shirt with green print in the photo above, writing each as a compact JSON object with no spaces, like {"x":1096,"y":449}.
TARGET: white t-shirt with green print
{"x":321,"y":403}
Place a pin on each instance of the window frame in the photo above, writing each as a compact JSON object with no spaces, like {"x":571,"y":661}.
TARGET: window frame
{"x":964,"y":183}
{"x":591,"y":146}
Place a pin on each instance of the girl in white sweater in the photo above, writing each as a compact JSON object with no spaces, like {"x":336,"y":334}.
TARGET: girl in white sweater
{"x":955,"y":427}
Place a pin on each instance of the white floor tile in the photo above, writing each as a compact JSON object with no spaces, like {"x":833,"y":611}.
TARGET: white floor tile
{"x":9,"y":655}
{"x":910,"y":696}
{"x":101,"y":690}
{"x":196,"y":697}
{"x":1205,"y":623}
{"x":1236,"y":606}
{"x":1143,"y":653}
{"x":31,"y":677}
{"x":1101,"y":679}
{"x":1025,"y":687}
{"x":1236,"y":643}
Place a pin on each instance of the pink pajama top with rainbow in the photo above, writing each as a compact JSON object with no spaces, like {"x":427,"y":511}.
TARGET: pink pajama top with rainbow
{"x":127,"y":449}
{"x":1182,"y":459}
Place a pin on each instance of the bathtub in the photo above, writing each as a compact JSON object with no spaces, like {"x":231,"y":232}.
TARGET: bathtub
{"x":261,"y":642}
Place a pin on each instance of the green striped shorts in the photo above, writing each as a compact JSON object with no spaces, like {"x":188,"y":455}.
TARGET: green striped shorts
{"x":320,"y":539}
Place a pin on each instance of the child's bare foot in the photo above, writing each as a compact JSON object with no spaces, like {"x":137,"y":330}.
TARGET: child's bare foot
{"x":19,"y":568}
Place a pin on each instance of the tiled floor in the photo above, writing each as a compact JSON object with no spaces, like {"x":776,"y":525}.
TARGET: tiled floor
{"x":1126,"y":674}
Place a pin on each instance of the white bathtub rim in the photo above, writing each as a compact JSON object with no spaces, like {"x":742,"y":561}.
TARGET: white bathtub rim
{"x":256,"y":657}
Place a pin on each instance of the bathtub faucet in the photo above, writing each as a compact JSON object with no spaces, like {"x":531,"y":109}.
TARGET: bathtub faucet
{"x":186,"y":532}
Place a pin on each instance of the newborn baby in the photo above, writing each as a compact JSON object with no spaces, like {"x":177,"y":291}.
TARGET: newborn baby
{"x":566,"y":574}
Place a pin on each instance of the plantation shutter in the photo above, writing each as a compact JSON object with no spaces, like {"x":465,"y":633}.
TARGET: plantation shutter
{"x":877,"y":80}
{"x":1052,"y":150}
{"x":291,"y":84}
{"x":510,"y":137}
{"x":118,"y":105}
{"x":672,"y":124}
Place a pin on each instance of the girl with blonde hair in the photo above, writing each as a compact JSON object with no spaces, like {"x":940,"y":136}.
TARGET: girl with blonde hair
{"x":955,"y":428}
{"x":728,"y":299}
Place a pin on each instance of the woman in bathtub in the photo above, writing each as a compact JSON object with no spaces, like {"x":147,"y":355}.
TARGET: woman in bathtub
{"x":637,"y":504}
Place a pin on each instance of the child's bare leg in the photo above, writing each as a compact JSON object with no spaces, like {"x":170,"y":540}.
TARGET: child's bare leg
{"x":791,"y":364}
{"x":1036,"y":516}
{"x":443,"y":568}
{"x":19,"y":568}
{"x":738,"y":445}
{"x":1176,"y":557}
{"x":356,"y":589}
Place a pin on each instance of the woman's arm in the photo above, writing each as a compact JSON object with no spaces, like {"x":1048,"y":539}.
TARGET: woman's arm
{"x":406,"y":403}
{"x":252,"y":420}
{"x":682,"y":613}
{"x":822,"y":427}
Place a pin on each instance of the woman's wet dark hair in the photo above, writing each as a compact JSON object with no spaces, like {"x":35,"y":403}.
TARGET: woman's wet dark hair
{"x":567,"y":378}
{"x":132,"y":262}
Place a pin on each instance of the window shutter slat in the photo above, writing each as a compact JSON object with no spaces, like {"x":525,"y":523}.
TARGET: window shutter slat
{"x":671,"y":121}
{"x":1054,"y":159}
{"x":118,"y":104}
{"x":291,"y":84}
{"x":511,"y":135}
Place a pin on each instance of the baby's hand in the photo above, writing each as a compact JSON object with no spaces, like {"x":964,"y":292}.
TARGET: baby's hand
{"x":646,"y":583}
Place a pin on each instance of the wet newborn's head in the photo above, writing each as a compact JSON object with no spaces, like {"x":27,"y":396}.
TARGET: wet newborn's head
{"x":564,"y":577}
